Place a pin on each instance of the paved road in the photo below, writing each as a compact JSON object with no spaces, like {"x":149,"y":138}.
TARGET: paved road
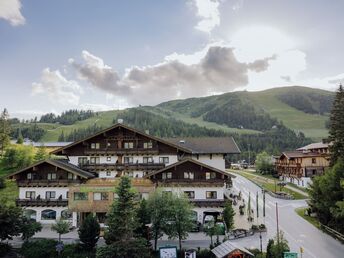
{"x":297,"y":231}
{"x":270,"y":181}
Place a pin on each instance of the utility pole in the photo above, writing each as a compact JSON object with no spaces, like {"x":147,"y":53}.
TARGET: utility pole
{"x":278,"y":239}
{"x":257,"y":206}
{"x":263,"y":202}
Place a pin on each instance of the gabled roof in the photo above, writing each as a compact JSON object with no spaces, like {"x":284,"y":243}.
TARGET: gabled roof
{"x":316,"y":145}
{"x":300,"y":154}
{"x":227,"y":247}
{"x":125,"y":127}
{"x":192,"y":161}
{"x":60,"y":164}
{"x":207,"y":145}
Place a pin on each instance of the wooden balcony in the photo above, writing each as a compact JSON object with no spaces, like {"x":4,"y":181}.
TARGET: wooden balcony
{"x":47,"y":183}
{"x":109,"y":151}
{"x":191,"y":182}
{"x":42,"y":202}
{"x":121,"y":167}
{"x":207,"y":202}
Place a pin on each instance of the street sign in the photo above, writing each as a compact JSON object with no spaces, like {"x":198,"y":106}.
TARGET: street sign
{"x":59,"y":248}
{"x":168,"y":252}
{"x":290,"y":255}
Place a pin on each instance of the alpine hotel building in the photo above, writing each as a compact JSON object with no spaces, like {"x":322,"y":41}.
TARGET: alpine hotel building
{"x":85,"y":177}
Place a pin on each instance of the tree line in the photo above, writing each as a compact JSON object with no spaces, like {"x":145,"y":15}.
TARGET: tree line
{"x":68,"y":117}
{"x":327,"y":191}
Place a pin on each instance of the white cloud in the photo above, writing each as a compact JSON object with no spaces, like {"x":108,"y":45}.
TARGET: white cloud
{"x":98,"y":74}
{"x":208,"y":12}
{"x":57,"y":88}
{"x":213,"y":69}
{"x":10,"y":11}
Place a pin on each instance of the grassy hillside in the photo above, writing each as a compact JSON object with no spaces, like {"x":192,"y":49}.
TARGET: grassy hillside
{"x":195,"y":110}
{"x":313,"y":125}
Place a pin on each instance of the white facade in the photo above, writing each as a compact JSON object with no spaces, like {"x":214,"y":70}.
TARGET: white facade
{"x":200,"y":192}
{"x":39,"y":210}
{"x":213,"y":160}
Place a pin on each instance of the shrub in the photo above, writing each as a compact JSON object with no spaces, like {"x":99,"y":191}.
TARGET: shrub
{"x":43,"y":248}
{"x":205,"y":253}
{"x":2,"y":183}
{"x":135,"y":248}
{"x":254,"y":227}
{"x":76,"y":251}
{"x":4,"y":249}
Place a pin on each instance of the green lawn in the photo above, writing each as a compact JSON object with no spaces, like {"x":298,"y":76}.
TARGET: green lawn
{"x":265,"y":183}
{"x":301,"y":213}
{"x":311,"y":125}
{"x":9,"y":193}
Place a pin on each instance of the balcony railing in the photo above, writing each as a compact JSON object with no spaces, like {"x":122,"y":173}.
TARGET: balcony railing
{"x":123,"y":166}
{"x":45,"y":182}
{"x":42,"y":202}
{"x":104,"y":151}
{"x":201,"y":182}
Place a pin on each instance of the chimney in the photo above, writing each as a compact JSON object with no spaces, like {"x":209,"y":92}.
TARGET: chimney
{"x":147,"y":131}
{"x":120,"y":121}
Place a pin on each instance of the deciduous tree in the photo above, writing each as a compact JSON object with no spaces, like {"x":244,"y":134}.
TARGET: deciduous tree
{"x":179,"y":218}
{"x":158,"y":204}
{"x":61,"y":227}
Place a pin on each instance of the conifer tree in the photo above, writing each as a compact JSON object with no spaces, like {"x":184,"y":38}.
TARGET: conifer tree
{"x":5,"y":130}
{"x":337,"y":127}
{"x":89,"y":232}
{"x":122,"y":215}
{"x":228,"y":215}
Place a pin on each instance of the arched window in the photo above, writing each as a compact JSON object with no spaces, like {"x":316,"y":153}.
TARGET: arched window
{"x":48,"y":215}
{"x":30,"y":214}
{"x":66,"y":215}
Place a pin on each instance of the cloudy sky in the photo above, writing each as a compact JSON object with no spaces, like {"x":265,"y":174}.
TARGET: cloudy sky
{"x":57,"y":55}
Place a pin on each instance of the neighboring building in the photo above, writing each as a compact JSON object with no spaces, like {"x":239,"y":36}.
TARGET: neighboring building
{"x":300,"y":166}
{"x":229,"y":249}
{"x":85,"y":181}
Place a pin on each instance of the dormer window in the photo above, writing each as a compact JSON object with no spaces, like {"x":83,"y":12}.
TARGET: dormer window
{"x":128,"y":145}
{"x":95,"y":145}
{"x":189,"y":175}
{"x":210,"y":175}
{"x":51,"y":176}
{"x":166,"y":175}
{"x":71,"y":176}
{"x":147,"y":145}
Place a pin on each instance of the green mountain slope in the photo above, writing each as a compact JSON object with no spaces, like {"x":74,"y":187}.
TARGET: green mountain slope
{"x":243,"y":113}
{"x":268,"y":101}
